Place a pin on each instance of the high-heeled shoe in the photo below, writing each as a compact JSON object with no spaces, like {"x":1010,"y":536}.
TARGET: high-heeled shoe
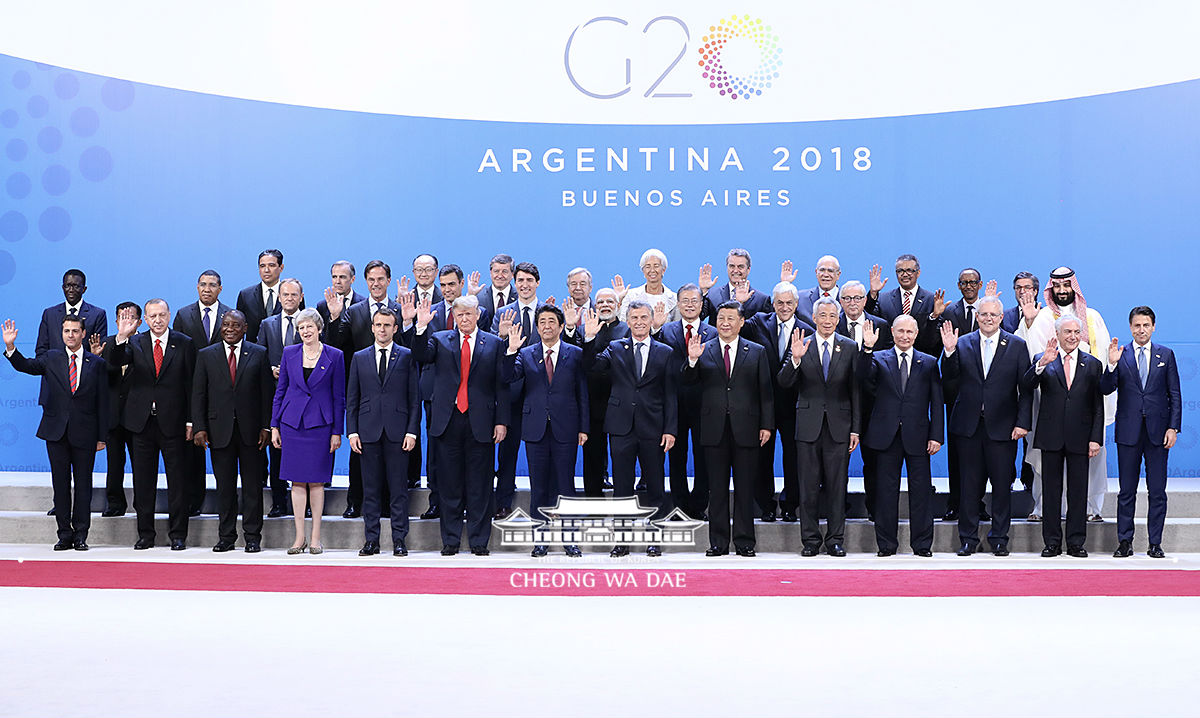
{"x":316,"y":549}
{"x":293,"y":550}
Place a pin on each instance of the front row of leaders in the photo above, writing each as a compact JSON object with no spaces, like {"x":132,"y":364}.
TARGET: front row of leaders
{"x":236,"y":413}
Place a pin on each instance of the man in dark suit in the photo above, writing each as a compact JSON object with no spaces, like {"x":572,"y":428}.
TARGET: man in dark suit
{"x":74,"y":400}
{"x":425,"y":274}
{"x":383,"y":420}
{"x":500,"y":292}
{"x":960,"y":315}
{"x":231,"y":414}
{"x":642,"y":411}
{"x":983,"y":370}
{"x":341,"y":277}
{"x":828,"y":271}
{"x":201,"y":322}
{"x":157,"y":412}
{"x":909,"y":298}
{"x":677,"y":334}
{"x":1026,"y":287}
{"x":827,"y":424}
{"x":906,"y":427}
{"x":527,"y":279}
{"x":119,"y":442}
{"x":595,"y":451}
{"x":737,"y":418}
{"x":351,"y":331}
{"x":551,"y":378}
{"x":261,"y":300}
{"x":1149,"y":418}
{"x":276,"y":332}
{"x":853,"y":297}
{"x":737,"y":267}
{"x":95,"y":321}
{"x":469,"y":416}
{"x":774,"y":332}
{"x":1070,"y":431}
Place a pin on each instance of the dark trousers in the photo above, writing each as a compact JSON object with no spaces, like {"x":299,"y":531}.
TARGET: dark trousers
{"x":431,"y":467}
{"x":887,"y":498}
{"x":413,"y":472}
{"x":197,"y":470}
{"x":551,"y":471}
{"x":822,"y":466}
{"x":280,"y":495}
{"x":506,"y":462}
{"x":1052,"y":489}
{"x":148,"y":444}
{"x":385,"y":471}
{"x":870,"y":460}
{"x":118,"y":444}
{"x":1129,"y":460}
{"x":764,"y":488}
{"x":465,"y":480}
{"x":354,"y":494}
{"x":595,"y":462}
{"x":956,"y":473}
{"x":627,"y":451}
{"x":66,"y":463}
{"x":692,"y":501}
{"x":228,"y":462}
{"x":742,"y":461}
{"x":983,"y":460}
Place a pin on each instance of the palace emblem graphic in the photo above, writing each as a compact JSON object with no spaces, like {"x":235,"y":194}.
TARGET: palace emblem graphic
{"x":584,"y":521}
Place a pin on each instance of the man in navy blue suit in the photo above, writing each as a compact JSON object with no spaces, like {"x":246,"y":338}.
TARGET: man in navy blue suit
{"x":906,"y":427}
{"x":95,"y":321}
{"x":828,"y":271}
{"x":1070,"y":431}
{"x":737,"y":268}
{"x":551,"y":378}
{"x":383,"y":420}
{"x":737,"y":418}
{"x":853,"y":298}
{"x":909,"y":298}
{"x":74,"y":400}
{"x":341,"y":293}
{"x":642,"y":409}
{"x":982,"y":371}
{"x":469,"y":415}
{"x":1149,"y":418}
{"x":1026,"y":306}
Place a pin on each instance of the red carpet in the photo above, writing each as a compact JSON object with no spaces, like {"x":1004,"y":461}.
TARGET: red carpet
{"x":598,"y":582}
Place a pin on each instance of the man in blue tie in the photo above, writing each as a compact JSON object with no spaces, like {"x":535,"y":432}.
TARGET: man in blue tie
{"x":1149,"y":416}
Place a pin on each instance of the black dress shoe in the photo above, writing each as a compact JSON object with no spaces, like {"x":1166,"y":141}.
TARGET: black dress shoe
{"x":433,"y":512}
{"x":1000,"y":550}
{"x":1156,"y":551}
{"x":253,"y":547}
{"x":714,"y":551}
{"x":399,"y":549}
{"x":788,"y":516}
{"x":50,"y":512}
{"x":178,"y":544}
{"x":414,"y":483}
{"x":924,"y":553}
{"x":950,"y":515}
{"x":480,"y":551}
{"x":1077,"y":551}
{"x":308,"y":512}
{"x":193,"y":513}
{"x":1124,"y":550}
{"x":641,"y":486}
{"x":539,"y":551}
{"x":143,"y":544}
{"x":351,"y":512}
{"x":574,"y":552}
{"x":984,"y":515}
{"x":275,"y":512}
{"x":836,"y":550}
{"x":747,"y":552}
{"x":607,"y":485}
{"x":370,"y":548}
{"x":654,"y":551}
{"x":81,"y":545}
{"x":885,"y":552}
{"x":450,"y":550}
{"x":503,"y":513}
{"x":110,"y":513}
{"x":768,"y":517}
{"x":619,"y":551}
{"x":1051,"y":551}
{"x":810,"y":551}
{"x":64,"y":545}
{"x":966,"y":549}
{"x":223,"y":546}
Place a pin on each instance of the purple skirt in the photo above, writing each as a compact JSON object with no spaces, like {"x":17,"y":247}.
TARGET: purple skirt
{"x":305,"y":454}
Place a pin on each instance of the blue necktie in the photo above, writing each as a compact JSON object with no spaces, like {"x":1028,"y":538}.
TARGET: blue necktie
{"x":207,"y":324}
{"x":1143,"y":366}
{"x":637,"y":358}
{"x":903,"y":372}
{"x":290,"y":336}
{"x":825,"y":358}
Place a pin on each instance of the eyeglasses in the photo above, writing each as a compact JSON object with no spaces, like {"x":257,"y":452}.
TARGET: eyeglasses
{"x":989,"y":315}
{"x":907,"y":271}
{"x":848,"y":298}
{"x":970,"y":282}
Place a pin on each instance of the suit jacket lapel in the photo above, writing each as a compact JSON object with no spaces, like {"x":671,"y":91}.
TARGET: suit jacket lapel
{"x":387,"y":373}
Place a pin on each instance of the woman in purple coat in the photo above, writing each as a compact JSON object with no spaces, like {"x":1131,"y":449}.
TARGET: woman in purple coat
{"x":307,"y":420}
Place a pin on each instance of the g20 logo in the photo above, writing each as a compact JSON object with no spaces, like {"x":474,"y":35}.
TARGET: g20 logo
{"x":739,"y":58}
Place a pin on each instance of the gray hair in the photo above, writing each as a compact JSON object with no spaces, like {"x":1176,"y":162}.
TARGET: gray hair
{"x":829,"y":256}
{"x":292,"y":280}
{"x":991,"y":300}
{"x":825,"y":301}
{"x":785,"y":287}
{"x":852,"y":284}
{"x":909,"y":258}
{"x":653,"y":254}
{"x":906,"y":318}
{"x":580,"y":270}
{"x":602,"y":290}
{"x":310,"y":315}
{"x":1061,"y":322}
{"x":738,"y":252}
{"x":466,"y":301}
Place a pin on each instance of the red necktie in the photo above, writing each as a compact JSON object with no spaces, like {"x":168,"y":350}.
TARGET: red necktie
{"x":1067,"y":368}
{"x":549,"y":366}
{"x":158,"y":356}
{"x":464,"y":373}
{"x":232,"y":365}
{"x":73,"y":374}
{"x":687,"y":334}
{"x":907,"y":302}
{"x":727,"y":365}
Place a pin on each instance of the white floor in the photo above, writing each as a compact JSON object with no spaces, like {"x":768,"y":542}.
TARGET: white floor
{"x":164,"y":653}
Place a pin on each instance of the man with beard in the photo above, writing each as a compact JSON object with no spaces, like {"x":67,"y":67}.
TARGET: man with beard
{"x":595,"y":451}
{"x":1065,"y":299}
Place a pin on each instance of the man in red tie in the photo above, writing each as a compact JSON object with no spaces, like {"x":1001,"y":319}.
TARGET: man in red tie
{"x":911,"y":299}
{"x":468,"y":416}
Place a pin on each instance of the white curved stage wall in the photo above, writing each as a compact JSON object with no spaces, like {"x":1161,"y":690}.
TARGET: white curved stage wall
{"x":144,"y":142}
